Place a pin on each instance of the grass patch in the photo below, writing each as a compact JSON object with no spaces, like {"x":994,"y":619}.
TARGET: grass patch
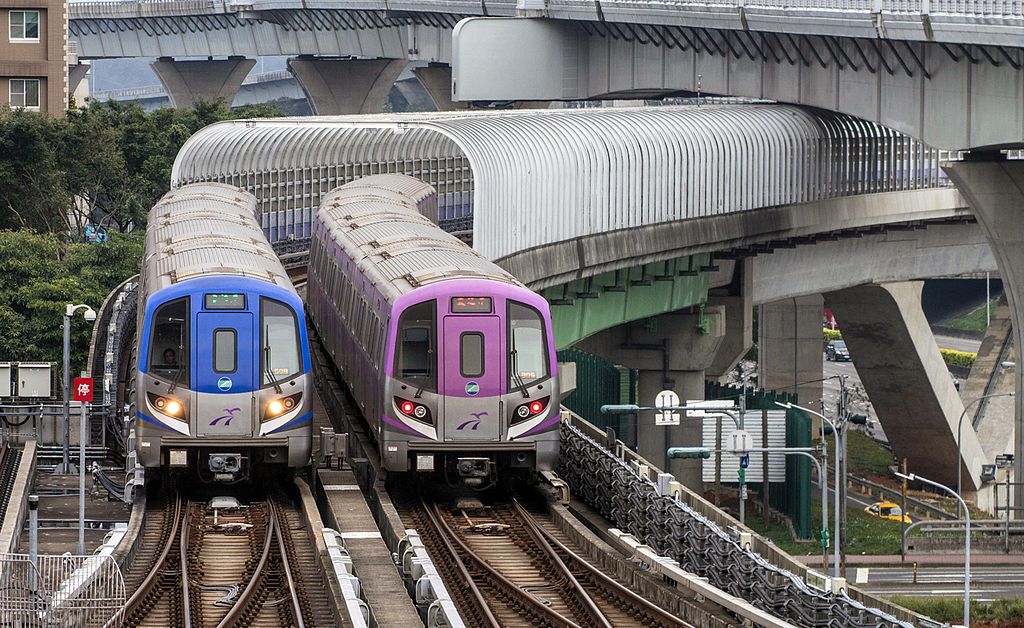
{"x":974,"y":320}
{"x":867,"y":456}
{"x":951,"y":609}
{"x":865,"y":534}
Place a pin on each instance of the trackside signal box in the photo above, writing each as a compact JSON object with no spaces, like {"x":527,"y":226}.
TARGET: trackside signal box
{"x":34,"y":379}
{"x":5,"y":379}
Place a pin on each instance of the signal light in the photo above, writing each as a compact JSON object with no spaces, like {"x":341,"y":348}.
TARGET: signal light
{"x":531,"y":409}
{"x":275,"y":407}
{"x":173,"y":407}
{"x":536,"y":407}
{"x":407,"y":407}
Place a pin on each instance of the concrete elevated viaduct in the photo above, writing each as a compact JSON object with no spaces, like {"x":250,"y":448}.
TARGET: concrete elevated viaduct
{"x":733,"y":207}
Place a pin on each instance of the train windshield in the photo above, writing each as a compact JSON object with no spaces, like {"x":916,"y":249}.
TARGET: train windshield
{"x":279,"y":333}
{"x":168,"y":345}
{"x":528,"y":360}
{"x":414,"y":355}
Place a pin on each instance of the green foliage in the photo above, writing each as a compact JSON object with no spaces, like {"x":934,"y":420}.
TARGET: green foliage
{"x":40,"y":274}
{"x":958,"y":358}
{"x":867,"y":456}
{"x":832,"y":334}
{"x":974,"y":320}
{"x":108,"y":162}
{"x":951,"y":609}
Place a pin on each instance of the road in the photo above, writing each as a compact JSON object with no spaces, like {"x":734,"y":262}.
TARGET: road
{"x":969,"y":345}
{"x":988,"y":582}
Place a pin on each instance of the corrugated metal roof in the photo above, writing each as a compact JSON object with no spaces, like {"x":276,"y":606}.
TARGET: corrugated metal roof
{"x":542,"y":176}
{"x":206,"y":228}
{"x":399,"y":248}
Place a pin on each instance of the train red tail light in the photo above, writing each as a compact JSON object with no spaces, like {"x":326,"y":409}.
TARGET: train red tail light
{"x":413,"y":410}
{"x":530,"y":409}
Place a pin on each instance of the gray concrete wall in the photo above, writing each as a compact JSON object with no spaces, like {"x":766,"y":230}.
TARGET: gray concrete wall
{"x":188,"y":82}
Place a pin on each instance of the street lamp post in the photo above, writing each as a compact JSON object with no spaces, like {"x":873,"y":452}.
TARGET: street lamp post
{"x":967,"y":539}
{"x":835,"y":443}
{"x":90,"y":316}
{"x":959,"y":430}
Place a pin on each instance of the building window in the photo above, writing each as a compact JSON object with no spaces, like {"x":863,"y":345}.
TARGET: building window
{"x":25,"y":93}
{"x":24,"y":25}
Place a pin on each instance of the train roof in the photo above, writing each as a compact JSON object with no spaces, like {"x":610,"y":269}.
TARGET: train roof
{"x":205,"y":229}
{"x":377,"y":222}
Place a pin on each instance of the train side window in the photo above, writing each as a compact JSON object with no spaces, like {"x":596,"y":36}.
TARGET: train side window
{"x":280,"y":333}
{"x":417,"y":337}
{"x":471,"y":354}
{"x":225,"y":354}
{"x":528,"y":356}
{"x":169,"y":342}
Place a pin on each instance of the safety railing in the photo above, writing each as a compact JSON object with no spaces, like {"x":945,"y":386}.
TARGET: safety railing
{"x":44,"y":422}
{"x":679,"y":524}
{"x":60,"y":590}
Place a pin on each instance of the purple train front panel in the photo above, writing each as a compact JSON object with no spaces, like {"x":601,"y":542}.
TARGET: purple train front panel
{"x":471,"y":381}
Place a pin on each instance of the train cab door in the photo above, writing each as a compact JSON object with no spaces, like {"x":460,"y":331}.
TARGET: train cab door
{"x":473,"y":375}
{"x":225,"y":369}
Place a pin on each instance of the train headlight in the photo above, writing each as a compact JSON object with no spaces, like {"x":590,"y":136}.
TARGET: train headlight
{"x":277,"y":407}
{"x":412,"y":409}
{"x":531,"y":409}
{"x":167,"y":406}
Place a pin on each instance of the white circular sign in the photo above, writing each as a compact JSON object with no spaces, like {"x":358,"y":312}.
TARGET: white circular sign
{"x":666,"y":399}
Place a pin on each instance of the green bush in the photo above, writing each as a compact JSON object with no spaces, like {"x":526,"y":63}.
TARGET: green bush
{"x":832,"y":334}
{"x":951,"y":609}
{"x":958,"y":358}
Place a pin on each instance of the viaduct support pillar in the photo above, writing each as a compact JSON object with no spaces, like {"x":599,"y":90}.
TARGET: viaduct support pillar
{"x":789,"y":348}
{"x":345,"y":86}
{"x":994,"y":189}
{"x":907,"y":381}
{"x":671,"y":352}
{"x":188,"y":82}
{"x":736,"y":298}
{"x":436,"y":79}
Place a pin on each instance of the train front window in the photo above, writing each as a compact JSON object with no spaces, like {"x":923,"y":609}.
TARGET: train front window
{"x":168,"y":344}
{"x":279,"y":342}
{"x":528,"y":357}
{"x":414,"y":354}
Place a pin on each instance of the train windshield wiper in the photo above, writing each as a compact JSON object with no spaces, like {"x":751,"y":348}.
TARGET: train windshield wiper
{"x":266,"y":363}
{"x":517,"y":379}
{"x":426,"y":378}
{"x":181,"y":348}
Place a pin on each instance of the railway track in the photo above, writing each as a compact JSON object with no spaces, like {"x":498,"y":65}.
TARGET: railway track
{"x":200,"y":566}
{"x":506,"y":569}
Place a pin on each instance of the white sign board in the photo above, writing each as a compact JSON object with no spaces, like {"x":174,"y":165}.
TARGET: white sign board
{"x":666,"y":399}
{"x":731,"y":462}
{"x":707,"y":407}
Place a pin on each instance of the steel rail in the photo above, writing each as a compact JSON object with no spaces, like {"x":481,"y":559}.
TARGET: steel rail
{"x":245,"y":598}
{"x":186,"y":601}
{"x":433,"y":511}
{"x":151,"y":578}
{"x":289,"y":579}
{"x":463,"y":571}
{"x":583,"y":599}
{"x":606,"y":581}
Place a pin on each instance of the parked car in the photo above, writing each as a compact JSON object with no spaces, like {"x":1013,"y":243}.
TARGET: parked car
{"x":836,"y":351}
{"x":887,"y":510}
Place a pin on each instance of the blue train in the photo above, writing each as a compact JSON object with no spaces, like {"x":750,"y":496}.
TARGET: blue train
{"x":223,"y":384}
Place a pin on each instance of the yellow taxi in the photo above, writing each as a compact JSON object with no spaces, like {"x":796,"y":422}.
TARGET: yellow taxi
{"x":887,"y":510}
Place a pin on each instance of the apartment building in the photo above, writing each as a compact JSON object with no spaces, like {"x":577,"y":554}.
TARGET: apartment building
{"x":33,"y":55}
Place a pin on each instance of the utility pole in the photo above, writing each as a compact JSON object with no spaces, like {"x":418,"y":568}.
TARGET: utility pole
{"x":841,"y":434}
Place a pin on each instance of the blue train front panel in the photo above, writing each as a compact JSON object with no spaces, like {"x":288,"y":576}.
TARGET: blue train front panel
{"x":224,"y":381}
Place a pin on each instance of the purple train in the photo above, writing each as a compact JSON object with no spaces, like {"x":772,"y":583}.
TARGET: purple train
{"x":450,"y":358}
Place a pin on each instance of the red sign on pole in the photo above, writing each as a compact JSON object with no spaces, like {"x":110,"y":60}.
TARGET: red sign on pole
{"x":82,"y":390}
